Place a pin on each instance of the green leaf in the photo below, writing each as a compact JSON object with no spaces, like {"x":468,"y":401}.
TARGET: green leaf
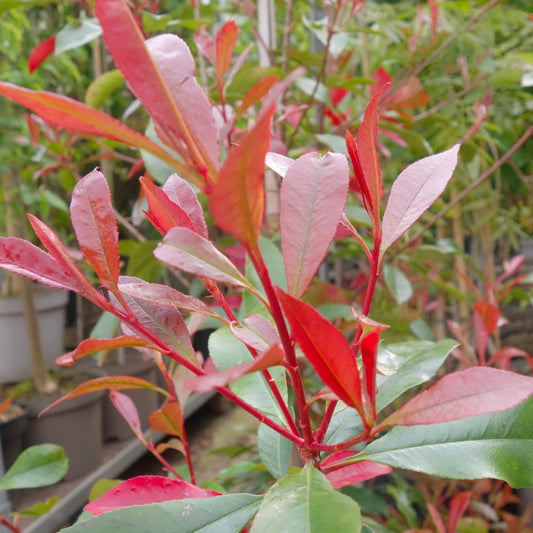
{"x":74,"y":35}
{"x":226,"y":351}
{"x":194,"y":515}
{"x":498,"y":445}
{"x":101,"y":486}
{"x":306,"y":503}
{"x":415,"y":362}
{"x":397,"y":283}
{"x":39,"y":508}
{"x":37,"y":466}
{"x":99,"y":90}
{"x":274,"y":450}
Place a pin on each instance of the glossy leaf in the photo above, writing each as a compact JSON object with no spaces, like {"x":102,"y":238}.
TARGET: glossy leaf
{"x":352,"y":473}
{"x":107,"y":383}
{"x":160,"y":72}
{"x":89,"y":346}
{"x":39,"y":54}
{"x":168,"y":419}
{"x":307,"y":503}
{"x":490,"y":446}
{"x":364,"y":156}
{"x":163,"y":295}
{"x":72,"y":115}
{"x":397,"y":283}
{"x":37,"y":466}
{"x":142,"y":490}
{"x":26,"y":259}
{"x":96,"y":228}
{"x":325,"y":347}
{"x":125,"y":406}
{"x":414,"y":191}
{"x":414,"y":363}
{"x":369,"y":349}
{"x":190,"y":252}
{"x":207,"y":515}
{"x":256,"y":331}
{"x":66,"y":263}
{"x":225,"y":44}
{"x":182,"y":194}
{"x":163,"y":322}
{"x":271,"y":357}
{"x":280,"y":164}
{"x":274,"y":450}
{"x":471,"y":392}
{"x":237,"y":200}
{"x":312,"y":198}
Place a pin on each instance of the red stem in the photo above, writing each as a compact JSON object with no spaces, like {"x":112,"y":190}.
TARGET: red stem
{"x":9,"y":525}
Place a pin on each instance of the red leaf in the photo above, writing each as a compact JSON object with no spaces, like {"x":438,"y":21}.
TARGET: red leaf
{"x":89,"y":346}
{"x":26,"y":259}
{"x":58,"y":251}
{"x":364,"y":156}
{"x":5,"y":404}
{"x":415,"y":189}
{"x":164,"y":213}
{"x":96,"y":228}
{"x":146,"y":489}
{"x":505,"y":355}
{"x":351,"y":473}
{"x":225,"y":44}
{"x":312,"y":199}
{"x":182,"y":194}
{"x":471,"y":392}
{"x":125,"y":406}
{"x":271,"y":357}
{"x":160,"y":72}
{"x":325,"y":348}
{"x":434,"y":13}
{"x":435,"y":516}
{"x":458,"y":506}
{"x":163,"y":295}
{"x":39,"y":54}
{"x":107,"y":383}
{"x":188,"y":251}
{"x":256,"y":93}
{"x":168,"y":419}
{"x":237,"y":200}
{"x":72,"y":115}
{"x":489,"y":314}
{"x":410,"y":94}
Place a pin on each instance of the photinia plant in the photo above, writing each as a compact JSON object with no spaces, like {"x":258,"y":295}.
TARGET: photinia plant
{"x":358,"y":425}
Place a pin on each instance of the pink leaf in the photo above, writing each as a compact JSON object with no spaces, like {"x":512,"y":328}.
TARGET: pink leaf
{"x":278,"y":163}
{"x":190,"y":252}
{"x":39,"y":54}
{"x":89,"y":346}
{"x":182,"y":194}
{"x":256,"y":331}
{"x":271,"y":357}
{"x":160,"y":73}
{"x":96,"y":228}
{"x":72,"y":115}
{"x":206,"y":44}
{"x":415,"y":189}
{"x":471,"y":392}
{"x":26,"y":259}
{"x":125,"y":406}
{"x":237,"y":201}
{"x":504,"y":356}
{"x":163,"y":295}
{"x":146,"y":489}
{"x":351,"y":473}
{"x":63,"y":259}
{"x":325,"y":347}
{"x":312,"y":197}
{"x":435,"y":516}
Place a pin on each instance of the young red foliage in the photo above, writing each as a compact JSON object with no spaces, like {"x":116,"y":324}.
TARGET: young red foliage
{"x":39,"y":54}
{"x":168,"y":419}
{"x":325,"y":347}
{"x":126,"y":407}
{"x":146,"y":489}
{"x":353,"y":473}
{"x":237,"y":200}
{"x":225,"y":44}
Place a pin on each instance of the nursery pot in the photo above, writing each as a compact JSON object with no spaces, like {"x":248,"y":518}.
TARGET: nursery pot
{"x":146,"y":401}
{"x":12,"y":425}
{"x":15,"y":361}
{"x":75,"y":424}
